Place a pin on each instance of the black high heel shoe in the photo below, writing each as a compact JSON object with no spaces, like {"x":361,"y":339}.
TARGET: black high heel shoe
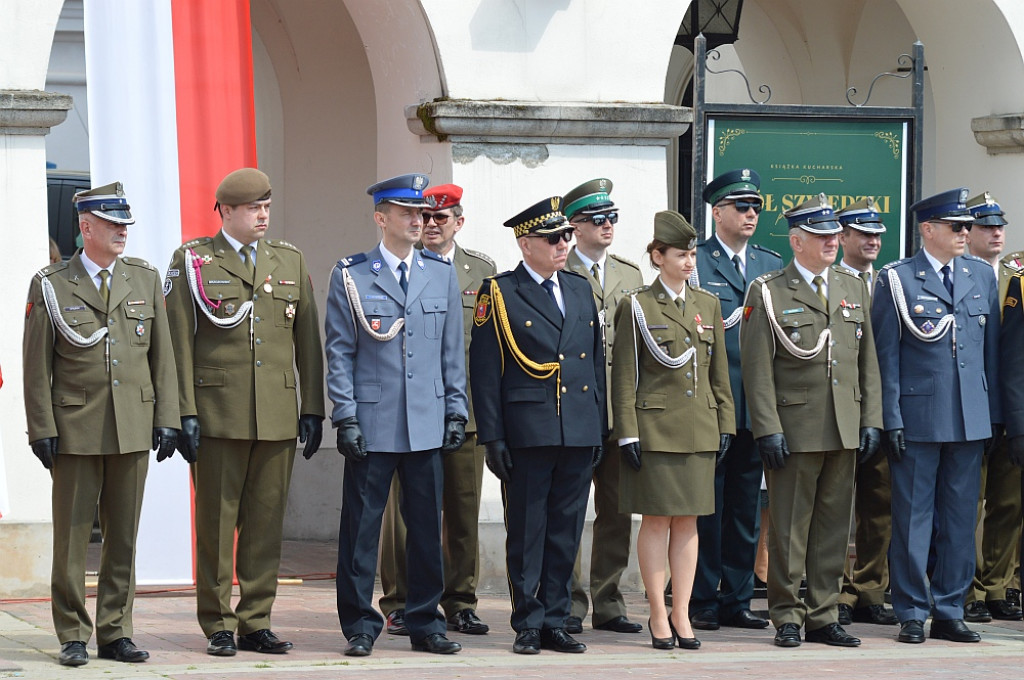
{"x":683,"y":643}
{"x":661,"y":643}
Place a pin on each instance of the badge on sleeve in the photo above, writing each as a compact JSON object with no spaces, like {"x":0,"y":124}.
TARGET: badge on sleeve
{"x":28,"y":309}
{"x":747,"y":311}
{"x":483,"y":310}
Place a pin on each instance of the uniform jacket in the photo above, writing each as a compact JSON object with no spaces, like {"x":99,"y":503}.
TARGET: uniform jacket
{"x":402,"y":389}
{"x":472,"y":268}
{"x":1009,"y":265}
{"x":718,"y":275}
{"x":69,"y":393}
{"x":1011,"y":339}
{"x":244,"y":388}
{"x":933,"y":396}
{"x":518,"y":408}
{"x":815,"y":410}
{"x":621,"y":277}
{"x":666,"y":408}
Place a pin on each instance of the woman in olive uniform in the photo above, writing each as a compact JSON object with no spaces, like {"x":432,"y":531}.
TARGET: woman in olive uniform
{"x":671,"y":401}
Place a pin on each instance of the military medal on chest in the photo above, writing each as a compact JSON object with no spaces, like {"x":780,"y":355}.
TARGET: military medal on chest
{"x":140,"y":330}
{"x":267,"y":288}
{"x":289,"y":310}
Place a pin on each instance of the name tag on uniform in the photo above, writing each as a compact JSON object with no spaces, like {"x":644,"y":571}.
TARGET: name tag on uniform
{"x":795,"y":310}
{"x":930,"y":298}
{"x":76,"y":308}
{"x":214,"y":282}
{"x":375,"y":297}
{"x":713,"y":283}
{"x":657,"y":328}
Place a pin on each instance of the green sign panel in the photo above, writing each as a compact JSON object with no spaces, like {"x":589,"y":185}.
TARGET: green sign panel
{"x":801,"y":157}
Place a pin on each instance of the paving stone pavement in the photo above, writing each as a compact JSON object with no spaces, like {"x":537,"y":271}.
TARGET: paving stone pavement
{"x":305,"y":613}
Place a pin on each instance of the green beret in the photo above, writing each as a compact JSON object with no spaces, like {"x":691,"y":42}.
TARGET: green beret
{"x":243,"y":186}
{"x":673,"y":230}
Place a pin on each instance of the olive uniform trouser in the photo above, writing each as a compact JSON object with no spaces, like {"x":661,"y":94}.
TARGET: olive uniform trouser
{"x":460,"y":522}
{"x":609,"y":554}
{"x":116,"y":482}
{"x":810,"y":507}
{"x":240,"y":485}
{"x":999,"y":513}
{"x":865,"y":583}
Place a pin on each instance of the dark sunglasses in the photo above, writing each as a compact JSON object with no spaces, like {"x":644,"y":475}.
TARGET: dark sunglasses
{"x":744,"y":206}
{"x":598,"y":220}
{"x":439,"y":219}
{"x":553,"y":239}
{"x":957,"y":227}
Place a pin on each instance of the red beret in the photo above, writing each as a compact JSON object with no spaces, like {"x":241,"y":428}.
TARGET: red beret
{"x":445,"y":195}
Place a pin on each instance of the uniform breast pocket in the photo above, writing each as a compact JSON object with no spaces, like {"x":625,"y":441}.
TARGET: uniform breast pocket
{"x":433,"y":315}
{"x":706,"y":344}
{"x":286,"y":301}
{"x":667,"y":339}
{"x":228,"y":297}
{"x":140,"y":323}
{"x":85,"y":324}
{"x":799,"y":328}
{"x":977,"y":318}
{"x":853,"y":326}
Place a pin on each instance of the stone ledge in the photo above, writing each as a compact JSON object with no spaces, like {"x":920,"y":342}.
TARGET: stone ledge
{"x":1000,"y":134}
{"x":517,"y":122}
{"x":32,"y":112}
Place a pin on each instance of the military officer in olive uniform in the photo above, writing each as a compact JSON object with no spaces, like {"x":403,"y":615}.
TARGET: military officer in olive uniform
{"x":537,"y":368}
{"x":999,"y":503}
{"x":397,"y":377}
{"x":811,"y":379}
{"x":935,"y":318}
{"x":463,"y":469}
{"x":247,"y":343}
{"x":592,"y":213}
{"x":100,"y":392}
{"x":867,"y":579}
{"x":724,"y":583}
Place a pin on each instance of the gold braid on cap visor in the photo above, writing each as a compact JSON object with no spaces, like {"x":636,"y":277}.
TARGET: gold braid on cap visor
{"x":523,"y":229}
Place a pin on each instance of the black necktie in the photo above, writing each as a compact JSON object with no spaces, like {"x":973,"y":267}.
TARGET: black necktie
{"x":402,"y":281}
{"x":947,"y":279}
{"x":549,"y":286}
{"x":739,"y":266}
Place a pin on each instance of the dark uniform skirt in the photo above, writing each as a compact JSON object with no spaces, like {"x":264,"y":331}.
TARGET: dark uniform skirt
{"x":668,"y":484}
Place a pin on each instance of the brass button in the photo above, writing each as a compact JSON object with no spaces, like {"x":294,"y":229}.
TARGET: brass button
{"x":528,"y":323}
{"x":561,"y":357}
{"x":586,"y":387}
{"x":564,"y":390}
{"x":583,"y":355}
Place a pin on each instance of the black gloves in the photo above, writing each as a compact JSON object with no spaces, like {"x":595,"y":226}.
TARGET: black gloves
{"x":724,"y":442}
{"x":1016,"y":451}
{"x":45,"y":450}
{"x":311,"y":433}
{"x":631,"y":453}
{"x":896,"y":446}
{"x":598,"y":455}
{"x":164,"y":441}
{"x":993,"y":442}
{"x":774,"y":451}
{"x":499,"y":459}
{"x":454,"y":432}
{"x":351,"y":442}
{"x":870,"y":440}
{"x":188,"y":438}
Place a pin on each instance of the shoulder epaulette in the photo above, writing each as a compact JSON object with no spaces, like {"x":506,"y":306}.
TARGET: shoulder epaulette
{"x":708,"y":293}
{"x":766,"y":250}
{"x":768,"y":276}
{"x":501,"y":275}
{"x":843,"y":270}
{"x":897,"y":263}
{"x":625,"y":261}
{"x":201,"y":241}
{"x":1014,"y":261}
{"x":572,"y":273}
{"x":431,"y":255}
{"x":352,"y":259}
{"x":641,"y":289}
{"x":480,"y":256}
{"x":278,"y":243}
{"x":137,"y":262}
{"x":975,"y":258}
{"x":52,"y":268}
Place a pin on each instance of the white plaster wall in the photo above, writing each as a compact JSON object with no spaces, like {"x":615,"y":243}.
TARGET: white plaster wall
{"x":67,"y":145}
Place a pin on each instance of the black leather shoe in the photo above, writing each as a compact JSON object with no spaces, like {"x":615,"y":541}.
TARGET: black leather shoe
{"x":954,"y":630}
{"x":787,"y":635}
{"x":845,"y":614}
{"x":360,"y":644}
{"x":123,"y":650}
{"x":466,"y":621}
{"x":620,"y":624}
{"x":705,"y":619}
{"x":977,"y":612}
{"x":573,"y":625}
{"x":876,"y":614}
{"x":222,"y":643}
{"x":527,"y":641}
{"x":832,"y":634}
{"x":558,"y":640}
{"x":911,"y":631}
{"x":1003,"y":610}
{"x":263,"y":641}
{"x":743,"y":619}
{"x":73,"y":653}
{"x":1013,"y":597}
{"x":396,"y":623}
{"x":436,"y":643}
